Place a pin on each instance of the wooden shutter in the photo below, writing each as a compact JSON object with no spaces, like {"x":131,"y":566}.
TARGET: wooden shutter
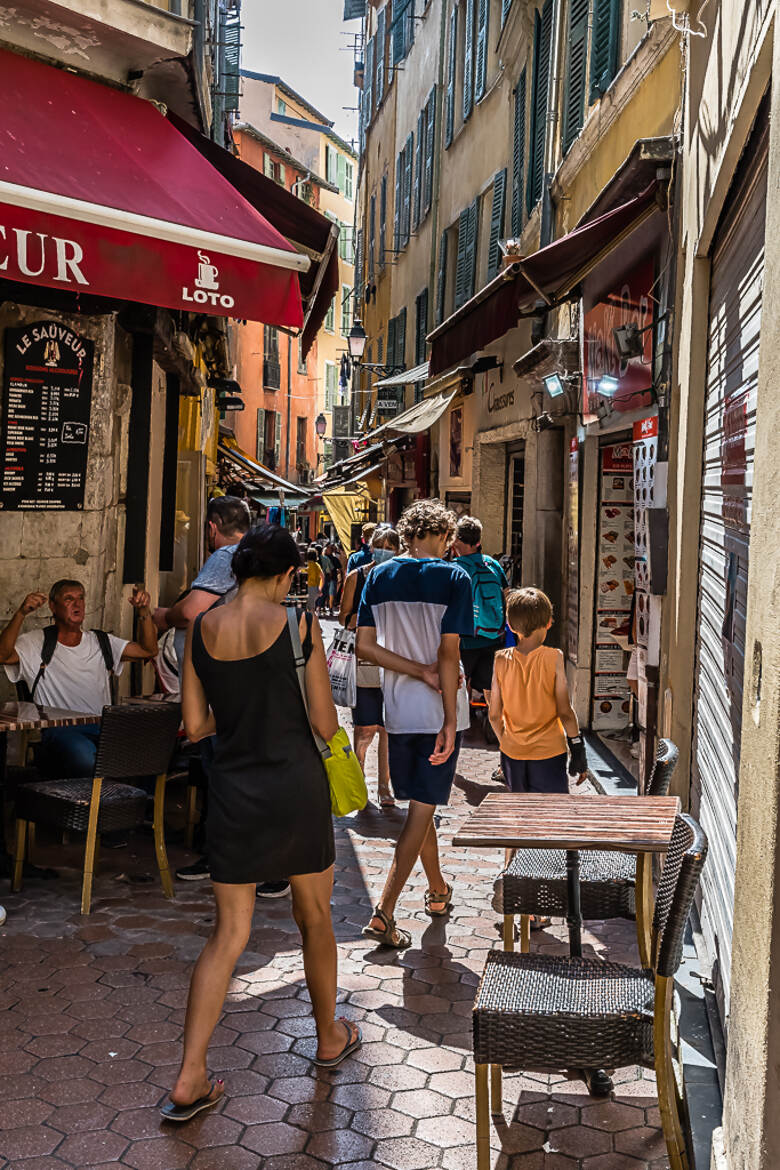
{"x":260,"y":435}
{"x":277,"y":439}
{"x":398,"y":32}
{"x":399,"y":183}
{"x":382,"y":220}
{"x":468,"y":61}
{"x":430,"y":139}
{"x":371,"y":235}
{"x":400,"y":338}
{"x":418,"y":171}
{"x":481,"y":53}
{"x":605,"y":46}
{"x":518,"y":156}
{"x":358,"y":270}
{"x":391,"y":328}
{"x":368,"y":84}
{"x":231,"y":43}
{"x":541,"y":79}
{"x":449,"y":97}
{"x":421,"y":329}
{"x":505,"y":6}
{"x":461,"y":280}
{"x":574,"y":73}
{"x":381,"y":49}
{"x":441,"y":279}
{"x":472,"y":231}
{"x":407,"y":194}
{"x":341,"y":164}
{"x":496,"y":222}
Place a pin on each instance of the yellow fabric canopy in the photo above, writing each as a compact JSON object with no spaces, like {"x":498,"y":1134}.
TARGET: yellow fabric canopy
{"x":347,"y":506}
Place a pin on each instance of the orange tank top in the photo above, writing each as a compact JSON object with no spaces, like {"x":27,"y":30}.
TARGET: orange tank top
{"x":532,"y":729}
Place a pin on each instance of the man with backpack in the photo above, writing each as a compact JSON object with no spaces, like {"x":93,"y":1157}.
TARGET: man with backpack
{"x":488,"y":589}
{"x":65,"y":666}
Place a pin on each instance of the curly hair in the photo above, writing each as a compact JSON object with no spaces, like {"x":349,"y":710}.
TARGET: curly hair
{"x":426,"y":518}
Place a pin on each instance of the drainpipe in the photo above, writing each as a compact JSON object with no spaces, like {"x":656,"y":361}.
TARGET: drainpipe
{"x":289,"y":407}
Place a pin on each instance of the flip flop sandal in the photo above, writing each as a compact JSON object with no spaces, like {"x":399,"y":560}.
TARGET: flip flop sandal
{"x":434,"y":899}
{"x":351,"y":1046}
{"x":386,"y":802}
{"x":385,"y":937}
{"x":173,"y":1112}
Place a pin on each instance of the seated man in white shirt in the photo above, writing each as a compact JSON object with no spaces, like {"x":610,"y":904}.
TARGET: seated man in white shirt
{"x":77,"y":677}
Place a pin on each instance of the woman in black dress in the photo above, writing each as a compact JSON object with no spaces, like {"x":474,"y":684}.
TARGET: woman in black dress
{"x":269,"y":801}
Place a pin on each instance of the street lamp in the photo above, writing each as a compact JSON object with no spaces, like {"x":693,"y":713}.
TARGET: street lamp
{"x":320,"y":425}
{"x":356,"y":341}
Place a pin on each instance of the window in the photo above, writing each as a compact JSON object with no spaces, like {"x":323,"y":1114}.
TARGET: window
{"x":418,"y":169}
{"x":339,"y":170}
{"x":272,"y":370}
{"x":468,"y":61}
{"x":605,"y":46}
{"x":346,"y":232}
{"x":574,"y":72}
{"x":430,"y":135}
{"x":331,"y":384}
{"x":303,"y":190}
{"x":403,"y":194}
{"x":518,"y":156}
{"x":277,"y":463}
{"x":330,"y":317}
{"x":468,"y":227}
{"x":401,"y":29}
{"x":331,"y":165}
{"x":269,"y":437}
{"x":346,"y":310}
{"x":327,"y":453}
{"x":481,"y":49}
{"x":382,"y":221}
{"x":421,"y":327}
{"x":381,"y":49}
{"x":260,"y":436}
{"x":441,"y":279}
{"x":273,"y":169}
{"x":301,"y":359}
{"x":496,"y":224}
{"x":379,"y":350}
{"x":300,"y":442}
{"x":346,"y":190}
{"x":281,"y":106}
{"x":449,"y":94}
{"x":368,"y":84}
{"x":371,"y":235}
{"x":505,"y":6}
{"x":539,"y":87}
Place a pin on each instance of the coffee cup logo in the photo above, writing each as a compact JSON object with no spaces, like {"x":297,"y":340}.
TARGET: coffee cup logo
{"x":207,"y":273}
{"x":206,"y":286}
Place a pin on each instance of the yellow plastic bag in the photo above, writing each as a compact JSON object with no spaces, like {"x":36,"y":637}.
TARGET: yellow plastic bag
{"x":348,"y":792}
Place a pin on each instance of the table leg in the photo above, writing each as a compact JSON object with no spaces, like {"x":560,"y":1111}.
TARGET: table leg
{"x":644,"y":906}
{"x":6,"y":864}
{"x":599,"y":1084}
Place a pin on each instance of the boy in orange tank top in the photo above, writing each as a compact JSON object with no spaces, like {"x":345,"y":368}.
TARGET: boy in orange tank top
{"x":530,"y":707}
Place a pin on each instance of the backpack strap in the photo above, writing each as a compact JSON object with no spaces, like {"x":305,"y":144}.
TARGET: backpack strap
{"x":104,"y":642}
{"x":300,"y":667}
{"x":47,"y":653}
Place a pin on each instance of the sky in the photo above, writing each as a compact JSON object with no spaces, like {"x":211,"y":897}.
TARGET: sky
{"x":300,"y":41}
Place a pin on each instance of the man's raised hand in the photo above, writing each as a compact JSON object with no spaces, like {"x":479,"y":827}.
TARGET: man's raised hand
{"x":32,"y":602}
{"x":139,"y":598}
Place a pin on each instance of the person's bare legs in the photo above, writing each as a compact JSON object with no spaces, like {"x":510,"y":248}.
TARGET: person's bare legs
{"x":363,"y":737}
{"x":209,"y":984}
{"x":385,"y":791}
{"x":429,"y":856}
{"x":419,"y":821}
{"x":311,"y":910}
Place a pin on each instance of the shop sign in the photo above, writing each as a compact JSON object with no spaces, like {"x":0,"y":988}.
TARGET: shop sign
{"x":497,"y":401}
{"x":629,"y":302}
{"x":44,"y":436}
{"x":387,"y":406}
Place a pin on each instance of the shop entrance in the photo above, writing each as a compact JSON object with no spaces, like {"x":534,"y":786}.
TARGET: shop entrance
{"x":515,"y":499}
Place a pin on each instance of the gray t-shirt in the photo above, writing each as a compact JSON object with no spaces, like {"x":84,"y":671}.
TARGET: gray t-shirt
{"x":216,"y":576}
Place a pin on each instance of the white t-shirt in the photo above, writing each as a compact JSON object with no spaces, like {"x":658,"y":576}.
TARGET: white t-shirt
{"x":76,"y":679}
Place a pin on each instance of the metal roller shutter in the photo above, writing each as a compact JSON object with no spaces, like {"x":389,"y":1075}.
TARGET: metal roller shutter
{"x":727,"y":478}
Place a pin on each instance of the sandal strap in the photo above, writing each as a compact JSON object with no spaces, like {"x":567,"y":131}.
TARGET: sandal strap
{"x":390,"y":926}
{"x":430,"y":896}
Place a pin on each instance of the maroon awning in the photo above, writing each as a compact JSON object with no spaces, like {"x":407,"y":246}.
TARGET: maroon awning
{"x":300,"y":224}
{"x":547,"y":277}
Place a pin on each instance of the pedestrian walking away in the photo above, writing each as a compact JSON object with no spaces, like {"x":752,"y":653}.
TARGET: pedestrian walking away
{"x":489,"y":587}
{"x":314,"y":579}
{"x":270,"y":799}
{"x":368,"y":714}
{"x":413,"y":612}
{"x":362,"y":555}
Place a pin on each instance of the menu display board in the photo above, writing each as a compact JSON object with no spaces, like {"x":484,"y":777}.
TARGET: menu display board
{"x":614,"y":586}
{"x":44,"y":430}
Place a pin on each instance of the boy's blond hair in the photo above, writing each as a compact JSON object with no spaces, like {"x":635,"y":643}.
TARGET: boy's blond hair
{"x":426,"y":518}
{"x":528,"y":610}
{"x":367,"y":532}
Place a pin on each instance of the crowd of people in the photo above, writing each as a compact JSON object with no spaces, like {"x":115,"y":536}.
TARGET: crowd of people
{"x":433,"y":617}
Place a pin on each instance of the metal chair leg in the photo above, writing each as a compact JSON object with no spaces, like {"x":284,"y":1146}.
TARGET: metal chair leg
{"x":525,"y":933}
{"x":21,"y":837}
{"x":496,"y":1090}
{"x":509,"y":932}
{"x":159,"y":836}
{"x":664,"y":1074}
{"x":89,"y":848}
{"x":483,"y":1117}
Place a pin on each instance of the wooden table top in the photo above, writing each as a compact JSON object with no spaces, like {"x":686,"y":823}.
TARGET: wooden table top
{"x":628,"y":824}
{"x":31,"y":717}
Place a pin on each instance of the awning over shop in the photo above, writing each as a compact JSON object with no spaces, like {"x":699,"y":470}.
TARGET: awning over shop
{"x":252,"y":470}
{"x":347,"y":506}
{"x":405,"y":378}
{"x":269,"y":500}
{"x":416,"y":419}
{"x":101,"y":194}
{"x":546,"y":278}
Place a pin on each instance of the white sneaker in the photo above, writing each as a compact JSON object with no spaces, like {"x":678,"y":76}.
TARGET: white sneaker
{"x":3,"y":915}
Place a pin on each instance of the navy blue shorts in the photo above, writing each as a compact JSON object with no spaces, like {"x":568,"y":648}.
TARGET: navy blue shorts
{"x":536,"y":775}
{"x":369,"y":709}
{"x":412,"y":774}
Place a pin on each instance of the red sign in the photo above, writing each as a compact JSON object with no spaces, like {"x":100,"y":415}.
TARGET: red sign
{"x":646,"y":428}
{"x":630,"y":302}
{"x":618,"y":458}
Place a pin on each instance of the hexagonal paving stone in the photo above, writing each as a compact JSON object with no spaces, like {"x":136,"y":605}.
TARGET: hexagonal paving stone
{"x":274,"y":1138}
{"x":319,"y":1115}
{"x":360,"y":1097}
{"x":547,"y":1114}
{"x":445,"y":1131}
{"x":407,"y":1154}
{"x":28,"y":1141}
{"x":295,"y":1090}
{"x":117,"y":1072}
{"x":422,"y":1103}
{"x":579,"y":1141}
{"x":436,"y":1059}
{"x":338,"y":1146}
{"x":165,"y":1153}
{"x":613,"y":1161}
{"x":86,"y":1149}
{"x":610,"y":1115}
{"x":254,"y":1110}
{"x":135,"y":1095}
{"x":225,"y":1158}
{"x":79,"y":1118}
{"x":453,"y":1084}
{"x":26,"y":1111}
{"x":397,"y":1076}
{"x":382,"y":1123}
{"x":643,"y":1142}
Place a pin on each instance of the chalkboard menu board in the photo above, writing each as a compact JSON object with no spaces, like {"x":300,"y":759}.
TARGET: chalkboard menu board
{"x":44,"y":431}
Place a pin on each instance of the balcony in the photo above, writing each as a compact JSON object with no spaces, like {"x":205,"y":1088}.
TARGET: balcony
{"x":272,"y":374}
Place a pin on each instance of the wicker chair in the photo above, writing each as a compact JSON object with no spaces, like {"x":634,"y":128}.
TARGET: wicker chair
{"x":549,"y":1013}
{"x":534,"y":882}
{"x":134,"y":741}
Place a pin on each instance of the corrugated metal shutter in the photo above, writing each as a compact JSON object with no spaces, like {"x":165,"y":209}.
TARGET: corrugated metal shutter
{"x":727,"y":478}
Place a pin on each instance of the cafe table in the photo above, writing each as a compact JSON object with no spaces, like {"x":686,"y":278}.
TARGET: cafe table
{"x":627,"y":824}
{"x":20,"y":716}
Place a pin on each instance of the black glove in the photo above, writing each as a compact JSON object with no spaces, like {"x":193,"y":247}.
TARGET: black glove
{"x":578,"y":761}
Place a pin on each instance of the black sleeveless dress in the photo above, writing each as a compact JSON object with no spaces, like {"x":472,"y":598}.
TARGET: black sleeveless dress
{"x":269,"y":801}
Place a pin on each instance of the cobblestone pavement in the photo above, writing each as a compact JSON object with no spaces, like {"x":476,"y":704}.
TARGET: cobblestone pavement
{"x":91,"y":1012}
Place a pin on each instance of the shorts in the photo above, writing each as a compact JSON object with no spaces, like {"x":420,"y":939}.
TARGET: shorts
{"x":478,"y":663}
{"x":413,"y":776}
{"x":369,"y":709}
{"x":536,"y":775}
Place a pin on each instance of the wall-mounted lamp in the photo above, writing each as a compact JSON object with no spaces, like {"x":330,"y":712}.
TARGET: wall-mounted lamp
{"x":554,"y":386}
{"x":320,"y":425}
{"x":608,"y":385}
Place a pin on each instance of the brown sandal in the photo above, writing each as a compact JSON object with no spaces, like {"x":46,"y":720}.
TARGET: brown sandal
{"x":432,"y":899}
{"x":391,"y":935}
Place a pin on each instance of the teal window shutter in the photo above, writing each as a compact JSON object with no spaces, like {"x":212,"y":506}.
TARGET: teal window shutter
{"x":421,"y":327}
{"x":382,"y":221}
{"x":574,"y":74}
{"x":371,"y":235}
{"x":400,"y":338}
{"x":418,"y":171}
{"x":381,"y":50}
{"x":449,"y":99}
{"x":407,"y":190}
{"x":399,"y":182}
{"x":518,"y":156}
{"x":260,"y":436}
{"x":368,"y":84}
{"x":496,"y":223}
{"x":481,"y":53}
{"x":277,"y":440}
{"x":605,"y":46}
{"x":391,"y":329}
{"x":472,"y":231}
{"x":441,"y":279}
{"x":430,"y":138}
{"x":541,"y":79}
{"x":468,"y":61}
{"x":461,"y":278}
{"x":505,"y":6}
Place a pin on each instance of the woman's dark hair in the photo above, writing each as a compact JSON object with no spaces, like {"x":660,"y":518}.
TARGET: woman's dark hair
{"x":266,"y":551}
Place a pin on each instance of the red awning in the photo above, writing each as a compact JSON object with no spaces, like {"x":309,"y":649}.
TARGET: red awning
{"x":100,"y":194}
{"x":547,"y":277}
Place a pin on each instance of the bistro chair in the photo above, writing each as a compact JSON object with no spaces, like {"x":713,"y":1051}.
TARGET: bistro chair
{"x":134,"y":741}
{"x":546,"y":1013}
{"x":534,"y":882}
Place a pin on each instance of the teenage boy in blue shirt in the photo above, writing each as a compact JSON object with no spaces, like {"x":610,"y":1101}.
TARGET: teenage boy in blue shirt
{"x":413,"y":613}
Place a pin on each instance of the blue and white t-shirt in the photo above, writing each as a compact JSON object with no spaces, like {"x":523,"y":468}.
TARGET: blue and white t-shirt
{"x":411,"y":602}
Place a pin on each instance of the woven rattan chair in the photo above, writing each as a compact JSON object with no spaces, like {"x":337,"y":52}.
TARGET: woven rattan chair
{"x":534,"y":882}
{"x":545,"y":1013}
{"x":134,"y":741}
